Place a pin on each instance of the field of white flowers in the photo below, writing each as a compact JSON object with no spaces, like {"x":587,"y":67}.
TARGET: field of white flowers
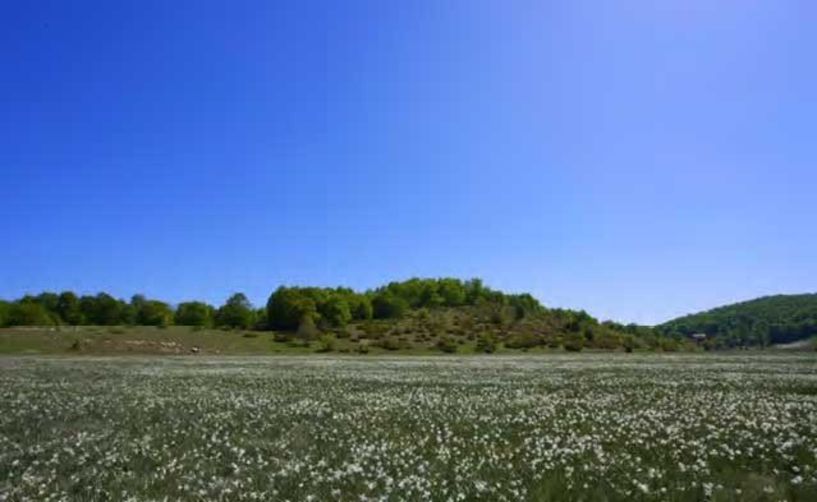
{"x":587,"y":427}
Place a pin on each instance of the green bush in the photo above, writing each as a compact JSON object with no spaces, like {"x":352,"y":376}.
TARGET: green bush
{"x":307,"y":331}
{"x":390,"y":343}
{"x":629,"y":343}
{"x":523,"y":341}
{"x":608,"y":341}
{"x":486,"y":343}
{"x":326,"y":343}
{"x":669,"y":345}
{"x":574,"y":342}
{"x":447,"y":345}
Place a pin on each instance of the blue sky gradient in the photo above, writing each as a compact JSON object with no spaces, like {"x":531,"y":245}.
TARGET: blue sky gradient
{"x":637,"y":159}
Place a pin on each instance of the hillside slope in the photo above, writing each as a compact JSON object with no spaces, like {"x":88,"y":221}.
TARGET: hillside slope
{"x":763,"y":321}
{"x":425,"y":314}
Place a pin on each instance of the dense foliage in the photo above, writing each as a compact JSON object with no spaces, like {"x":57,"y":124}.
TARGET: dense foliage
{"x":286,"y":309}
{"x":763,"y":321}
{"x":443,"y":314}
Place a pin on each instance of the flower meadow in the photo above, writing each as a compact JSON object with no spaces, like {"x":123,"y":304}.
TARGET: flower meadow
{"x":560,"y":427}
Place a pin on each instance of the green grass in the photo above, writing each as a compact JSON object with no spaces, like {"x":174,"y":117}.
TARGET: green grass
{"x":180,"y":340}
{"x":594,"y":427}
{"x":103,"y":340}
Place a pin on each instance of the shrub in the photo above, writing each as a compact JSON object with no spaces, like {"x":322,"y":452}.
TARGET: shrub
{"x":447,"y":344}
{"x":669,"y":345}
{"x":523,"y":341}
{"x":574,"y":342}
{"x":389,"y":343}
{"x":629,"y":343}
{"x":307,"y":330}
{"x":486,"y":343}
{"x":386,"y":306}
{"x":500,"y":316}
{"x":608,"y":340}
{"x":326,"y":343}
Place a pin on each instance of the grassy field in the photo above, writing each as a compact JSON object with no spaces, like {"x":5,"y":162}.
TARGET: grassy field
{"x":562,"y":427}
{"x":108,"y":340}
{"x":179,"y":340}
{"x":406,"y":336}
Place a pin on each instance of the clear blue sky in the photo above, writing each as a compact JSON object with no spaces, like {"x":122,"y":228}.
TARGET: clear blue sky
{"x":637,"y":159}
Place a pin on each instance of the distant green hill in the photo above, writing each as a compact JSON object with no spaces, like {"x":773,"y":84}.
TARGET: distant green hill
{"x":764,"y":321}
{"x":432,"y":314}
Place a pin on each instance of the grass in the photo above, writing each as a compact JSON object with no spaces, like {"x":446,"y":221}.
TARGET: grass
{"x":565,"y":427}
{"x":179,"y":340}
{"x":105,"y":340}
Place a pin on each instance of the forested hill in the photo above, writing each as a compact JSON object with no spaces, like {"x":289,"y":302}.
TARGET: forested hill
{"x":763,"y":321}
{"x":444,"y":313}
{"x":426,"y":313}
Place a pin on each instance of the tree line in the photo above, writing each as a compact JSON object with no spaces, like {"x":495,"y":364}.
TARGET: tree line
{"x":286,"y":309}
{"x":760,"y":322}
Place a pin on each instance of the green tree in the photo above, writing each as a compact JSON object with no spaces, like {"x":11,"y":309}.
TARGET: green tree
{"x":261,"y":321}
{"x":68,"y":308}
{"x":104,"y":310}
{"x":29,"y":313}
{"x":335,"y":311}
{"x":155,"y":313}
{"x":361,"y":307}
{"x":4,"y":313}
{"x":475,"y":290}
{"x":767,"y":320}
{"x":49,"y":301}
{"x":194,"y":314}
{"x":452,"y":291}
{"x":307,"y":331}
{"x":237,"y":312}
{"x":388,"y":306}
{"x":151,"y":312}
{"x":287,"y":307}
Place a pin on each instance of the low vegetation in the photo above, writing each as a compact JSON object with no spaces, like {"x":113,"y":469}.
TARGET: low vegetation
{"x":646,"y":427}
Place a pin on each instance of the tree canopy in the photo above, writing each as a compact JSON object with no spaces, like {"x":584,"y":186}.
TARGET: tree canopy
{"x":237,"y":312}
{"x":763,"y":321}
{"x":285,"y":310}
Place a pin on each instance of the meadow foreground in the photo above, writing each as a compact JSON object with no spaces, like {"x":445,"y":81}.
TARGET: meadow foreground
{"x":558,"y":427}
